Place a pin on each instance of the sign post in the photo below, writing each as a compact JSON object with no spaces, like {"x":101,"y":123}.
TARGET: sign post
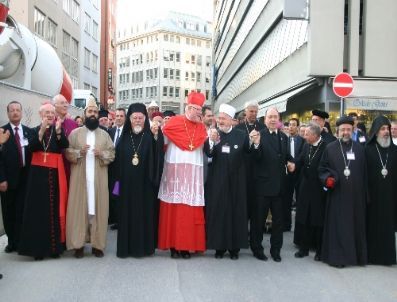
{"x":342,"y":86}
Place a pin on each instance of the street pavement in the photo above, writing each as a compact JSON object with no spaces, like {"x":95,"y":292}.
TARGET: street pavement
{"x":202,"y":278}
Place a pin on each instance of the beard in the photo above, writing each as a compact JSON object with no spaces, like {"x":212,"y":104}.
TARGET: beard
{"x":346,"y":138}
{"x":384,"y":142}
{"x":91,"y":123}
{"x":137,"y":129}
{"x":224,"y":129}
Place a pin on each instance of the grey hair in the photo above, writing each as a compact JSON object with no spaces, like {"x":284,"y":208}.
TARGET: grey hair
{"x":274,"y":108}
{"x":314,"y":129}
{"x":251,"y":104}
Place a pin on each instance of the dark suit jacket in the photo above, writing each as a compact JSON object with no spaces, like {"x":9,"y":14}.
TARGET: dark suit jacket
{"x":299,"y":142}
{"x":270,"y":160}
{"x":10,"y":169}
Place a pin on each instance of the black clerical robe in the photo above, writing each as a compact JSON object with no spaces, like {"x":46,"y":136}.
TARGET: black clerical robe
{"x":42,"y":225}
{"x":226,"y":206}
{"x":344,"y":240}
{"x":138,"y":185}
{"x":381,"y":212}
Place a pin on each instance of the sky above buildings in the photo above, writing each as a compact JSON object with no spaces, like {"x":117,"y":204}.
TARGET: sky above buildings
{"x":133,"y":11}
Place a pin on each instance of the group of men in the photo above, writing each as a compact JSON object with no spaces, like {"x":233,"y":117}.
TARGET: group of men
{"x":190,"y":182}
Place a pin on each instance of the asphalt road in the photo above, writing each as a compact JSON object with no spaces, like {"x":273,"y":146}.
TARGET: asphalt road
{"x":202,"y":278}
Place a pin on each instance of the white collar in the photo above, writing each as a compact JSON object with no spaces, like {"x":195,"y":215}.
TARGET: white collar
{"x":271,"y":131}
{"x":13,"y":126}
{"x":316,"y":143}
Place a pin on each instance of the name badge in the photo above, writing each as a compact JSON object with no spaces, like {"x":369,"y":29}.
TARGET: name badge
{"x":350,"y":156}
{"x":362,"y":139}
{"x":225,"y":149}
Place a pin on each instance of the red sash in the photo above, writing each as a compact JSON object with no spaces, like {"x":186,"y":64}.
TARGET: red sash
{"x":54,"y":160}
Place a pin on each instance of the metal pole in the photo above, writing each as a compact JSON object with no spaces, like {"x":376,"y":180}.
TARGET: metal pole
{"x":342,"y":107}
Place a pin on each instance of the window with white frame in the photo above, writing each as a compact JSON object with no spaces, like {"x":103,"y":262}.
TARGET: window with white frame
{"x":87,"y":58}
{"x":75,"y":11}
{"x":39,"y":19}
{"x":94,"y":63}
{"x":95,"y":30}
{"x":87,"y":23}
{"x":51,"y":32}
{"x":165,"y":90}
{"x":66,"y":5}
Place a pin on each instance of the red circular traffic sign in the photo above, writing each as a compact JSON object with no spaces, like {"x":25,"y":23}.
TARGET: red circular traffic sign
{"x":343,"y":84}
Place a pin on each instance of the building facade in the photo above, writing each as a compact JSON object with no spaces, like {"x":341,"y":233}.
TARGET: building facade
{"x":163,"y":60}
{"x":285,"y":53}
{"x":72,"y":28}
{"x":108,"y":68}
{"x":90,"y":46}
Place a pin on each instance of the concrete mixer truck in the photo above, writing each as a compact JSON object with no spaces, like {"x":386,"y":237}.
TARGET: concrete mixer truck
{"x":30,"y":70}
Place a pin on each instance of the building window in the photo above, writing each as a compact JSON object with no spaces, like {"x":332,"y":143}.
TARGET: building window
{"x":94,"y":63}
{"x":199,"y":60}
{"x":207,"y":93}
{"x":166,"y":55}
{"x":74,"y":64}
{"x":66,"y":51}
{"x":198,"y":76}
{"x":67,"y":6}
{"x":166,"y":37}
{"x":165,"y":75}
{"x":87,"y":58}
{"x":187,"y":58}
{"x":177,"y":74}
{"x":155,"y":73}
{"x":177,"y":91}
{"x":87,"y":23}
{"x":193,"y":75}
{"x":178,"y":57}
{"x":193,"y":42}
{"x":186,"y":76}
{"x":95,"y":30}
{"x":171,"y":74}
{"x":165,"y":91}
{"x":171,"y":93}
{"x":75,"y":11}
{"x":193,"y":59}
{"x":94,"y":91}
{"x":186,"y":92}
{"x":207,"y":61}
{"x":51,"y":32}
{"x":39,"y":19}
{"x":87,"y":86}
{"x":172,"y":55}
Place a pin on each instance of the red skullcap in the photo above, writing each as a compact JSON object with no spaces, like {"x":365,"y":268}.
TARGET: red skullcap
{"x":157,"y":114}
{"x":196,"y":98}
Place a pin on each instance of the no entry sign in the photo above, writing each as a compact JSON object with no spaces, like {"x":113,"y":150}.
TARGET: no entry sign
{"x":343,"y":84}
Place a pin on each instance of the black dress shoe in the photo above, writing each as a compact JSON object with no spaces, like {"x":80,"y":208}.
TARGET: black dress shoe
{"x":219,"y":254}
{"x":301,"y":254}
{"x":9,"y":249}
{"x":185,"y":254}
{"x":97,"y":253}
{"x":174,"y":254}
{"x":317,"y":257}
{"x":79,"y":253}
{"x":260,"y":256}
{"x":234,"y":256}
{"x":276,"y":256}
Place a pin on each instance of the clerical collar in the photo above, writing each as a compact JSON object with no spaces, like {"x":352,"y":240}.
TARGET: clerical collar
{"x":271,"y":131}
{"x":317,"y":142}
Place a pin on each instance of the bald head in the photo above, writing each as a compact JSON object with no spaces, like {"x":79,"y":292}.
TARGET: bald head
{"x":272,"y":118}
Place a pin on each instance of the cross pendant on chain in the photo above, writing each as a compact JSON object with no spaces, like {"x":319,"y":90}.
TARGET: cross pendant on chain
{"x":191,"y":146}
{"x":45,"y":157}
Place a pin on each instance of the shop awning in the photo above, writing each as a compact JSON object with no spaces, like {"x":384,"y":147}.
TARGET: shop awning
{"x":280,"y":102}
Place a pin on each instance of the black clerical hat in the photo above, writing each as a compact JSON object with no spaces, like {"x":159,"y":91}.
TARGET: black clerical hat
{"x":103,"y":113}
{"x":320,"y":113}
{"x":345,"y":120}
{"x":378,"y":123}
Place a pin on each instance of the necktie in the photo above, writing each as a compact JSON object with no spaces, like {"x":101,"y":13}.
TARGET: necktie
{"x":292,"y":147}
{"x":117,"y":137}
{"x":19,"y":147}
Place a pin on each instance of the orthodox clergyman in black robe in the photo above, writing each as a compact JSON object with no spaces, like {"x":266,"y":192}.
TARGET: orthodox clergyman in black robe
{"x":43,"y":226}
{"x":343,"y":172}
{"x":226,"y":206}
{"x":137,"y":170}
{"x":381,"y":157}
{"x":310,"y":206}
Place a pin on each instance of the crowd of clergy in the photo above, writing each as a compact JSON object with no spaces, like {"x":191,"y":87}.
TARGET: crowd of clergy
{"x":195,"y":182}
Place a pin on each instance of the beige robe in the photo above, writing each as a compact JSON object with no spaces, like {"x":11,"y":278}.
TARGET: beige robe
{"x":79,"y":229}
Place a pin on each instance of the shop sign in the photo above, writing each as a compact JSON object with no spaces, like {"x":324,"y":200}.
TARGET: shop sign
{"x":376,"y":104}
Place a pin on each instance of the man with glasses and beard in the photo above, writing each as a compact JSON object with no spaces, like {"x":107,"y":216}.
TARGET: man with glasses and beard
{"x":381,"y":157}
{"x":90,"y":152}
{"x":342,"y":171}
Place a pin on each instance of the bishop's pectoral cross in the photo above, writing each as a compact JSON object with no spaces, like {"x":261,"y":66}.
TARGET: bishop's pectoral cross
{"x":191,"y":147}
{"x":45,"y":157}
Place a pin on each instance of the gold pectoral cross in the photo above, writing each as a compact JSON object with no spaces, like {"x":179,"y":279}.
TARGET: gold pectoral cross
{"x":45,"y":157}
{"x":191,"y":146}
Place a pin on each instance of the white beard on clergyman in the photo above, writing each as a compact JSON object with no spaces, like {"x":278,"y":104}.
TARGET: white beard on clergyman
{"x":384,"y":142}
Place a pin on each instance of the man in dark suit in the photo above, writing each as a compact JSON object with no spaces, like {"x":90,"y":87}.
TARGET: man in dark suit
{"x":357,"y":135}
{"x":295,"y":145}
{"x":16,"y":158}
{"x":115,"y":133}
{"x":272,"y":160}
